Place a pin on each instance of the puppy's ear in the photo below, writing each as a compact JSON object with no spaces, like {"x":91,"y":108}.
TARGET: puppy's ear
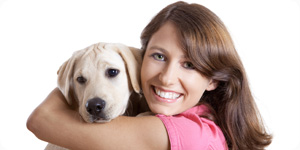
{"x":65,"y":76}
{"x":133,"y":60}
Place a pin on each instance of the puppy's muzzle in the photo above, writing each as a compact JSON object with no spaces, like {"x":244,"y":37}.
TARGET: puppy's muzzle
{"x":95,"y":107}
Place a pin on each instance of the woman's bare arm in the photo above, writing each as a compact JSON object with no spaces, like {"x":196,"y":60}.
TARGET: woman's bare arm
{"x":55,"y":122}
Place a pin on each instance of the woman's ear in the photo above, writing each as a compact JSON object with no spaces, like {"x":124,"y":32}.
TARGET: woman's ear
{"x":213,"y":84}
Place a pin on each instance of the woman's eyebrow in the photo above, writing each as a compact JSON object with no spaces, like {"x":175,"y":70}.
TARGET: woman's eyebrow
{"x":158,"y":48}
{"x":165,"y":51}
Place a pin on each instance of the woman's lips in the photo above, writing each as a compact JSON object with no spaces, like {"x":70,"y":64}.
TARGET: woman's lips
{"x":165,"y":96}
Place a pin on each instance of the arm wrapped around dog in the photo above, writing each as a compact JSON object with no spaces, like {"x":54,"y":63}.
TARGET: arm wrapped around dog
{"x":84,"y":78}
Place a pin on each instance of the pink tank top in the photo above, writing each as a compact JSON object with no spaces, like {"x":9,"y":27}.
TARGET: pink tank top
{"x":189,"y":131}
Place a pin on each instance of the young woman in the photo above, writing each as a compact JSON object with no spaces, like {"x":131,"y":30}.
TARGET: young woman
{"x":193,"y":81}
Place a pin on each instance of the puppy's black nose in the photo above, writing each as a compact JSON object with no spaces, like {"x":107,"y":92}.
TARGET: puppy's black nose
{"x":95,"y":106}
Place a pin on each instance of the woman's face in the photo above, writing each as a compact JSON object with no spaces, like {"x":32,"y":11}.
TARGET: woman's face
{"x":170,"y":83}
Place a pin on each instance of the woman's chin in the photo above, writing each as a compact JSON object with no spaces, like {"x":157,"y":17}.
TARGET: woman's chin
{"x":162,"y":110}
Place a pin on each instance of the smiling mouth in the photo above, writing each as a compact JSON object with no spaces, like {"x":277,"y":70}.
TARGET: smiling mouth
{"x":166,"y":96}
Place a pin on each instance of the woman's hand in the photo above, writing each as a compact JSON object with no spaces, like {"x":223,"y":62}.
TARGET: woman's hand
{"x":56,"y":122}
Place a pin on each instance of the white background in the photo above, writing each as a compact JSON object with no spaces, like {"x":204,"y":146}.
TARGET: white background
{"x":37,"y":36}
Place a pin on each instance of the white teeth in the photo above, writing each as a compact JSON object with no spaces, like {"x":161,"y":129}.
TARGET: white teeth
{"x":167,"y":95}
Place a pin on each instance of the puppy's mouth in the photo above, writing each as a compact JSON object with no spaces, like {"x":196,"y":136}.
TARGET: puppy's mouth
{"x":94,"y":119}
{"x":98,"y":119}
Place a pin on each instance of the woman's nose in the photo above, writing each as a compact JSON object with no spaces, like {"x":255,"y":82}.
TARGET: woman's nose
{"x":169,"y":75}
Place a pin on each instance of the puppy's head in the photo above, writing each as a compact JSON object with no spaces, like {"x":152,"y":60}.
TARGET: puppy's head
{"x":100,"y":79}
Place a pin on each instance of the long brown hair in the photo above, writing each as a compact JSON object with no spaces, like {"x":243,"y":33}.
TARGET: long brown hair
{"x":208,"y":44}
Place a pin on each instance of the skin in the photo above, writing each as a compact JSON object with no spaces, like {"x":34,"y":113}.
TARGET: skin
{"x":56,"y":122}
{"x":167,"y":68}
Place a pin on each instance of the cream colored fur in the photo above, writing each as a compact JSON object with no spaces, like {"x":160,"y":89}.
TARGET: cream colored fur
{"x":92,"y":63}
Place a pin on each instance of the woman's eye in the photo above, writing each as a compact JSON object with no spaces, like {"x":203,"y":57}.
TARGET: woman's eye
{"x":188,"y":65}
{"x":157,"y":56}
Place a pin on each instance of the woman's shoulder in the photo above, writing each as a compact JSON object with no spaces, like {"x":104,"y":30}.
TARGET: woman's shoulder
{"x":189,"y":130}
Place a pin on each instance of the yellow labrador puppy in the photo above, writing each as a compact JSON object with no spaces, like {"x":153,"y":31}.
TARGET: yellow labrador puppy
{"x":100,"y":80}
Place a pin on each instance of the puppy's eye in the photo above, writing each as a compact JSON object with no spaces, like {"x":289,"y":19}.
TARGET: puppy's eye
{"x":112,"y":72}
{"x":81,"y":79}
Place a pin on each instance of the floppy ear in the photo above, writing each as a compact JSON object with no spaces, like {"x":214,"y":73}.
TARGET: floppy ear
{"x":65,"y":75}
{"x":133,"y":60}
